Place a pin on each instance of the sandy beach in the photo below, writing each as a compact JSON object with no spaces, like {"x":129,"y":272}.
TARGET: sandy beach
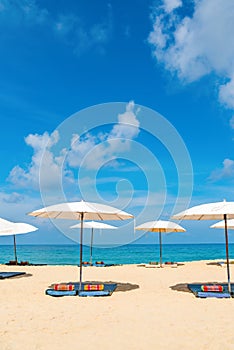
{"x":150,"y":309}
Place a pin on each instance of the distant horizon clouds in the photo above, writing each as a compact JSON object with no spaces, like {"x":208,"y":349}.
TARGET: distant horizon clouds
{"x":56,"y":162}
{"x":108,"y":157}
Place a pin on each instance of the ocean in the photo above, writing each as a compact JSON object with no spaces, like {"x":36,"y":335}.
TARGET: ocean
{"x":127,"y":254}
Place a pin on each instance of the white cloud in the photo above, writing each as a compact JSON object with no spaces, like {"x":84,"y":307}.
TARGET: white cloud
{"x":79,"y":148}
{"x":2,"y":6}
{"x":226,"y":94}
{"x":22,"y":11}
{"x":13,"y":197}
{"x":227,"y":171}
{"x":15,"y":205}
{"x":68,"y":27}
{"x":76,"y":34}
{"x":44,"y":168}
{"x":170,"y":5}
{"x":66,"y":24}
{"x":232,"y":122}
{"x":196,"y":44}
{"x":95,"y":151}
{"x":128,"y":125}
{"x":51,"y":166}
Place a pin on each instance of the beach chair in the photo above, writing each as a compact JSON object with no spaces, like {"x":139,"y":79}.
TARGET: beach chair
{"x":4,"y":275}
{"x":151,"y":264}
{"x":99,"y":264}
{"x":12,"y":262}
{"x":213,"y":290}
{"x":24,"y":263}
{"x":171,"y":264}
{"x":87,"y":289}
{"x":102,"y":264}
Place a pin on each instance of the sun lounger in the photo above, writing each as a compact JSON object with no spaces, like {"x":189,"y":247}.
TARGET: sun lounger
{"x":107,"y":290}
{"x":61,"y":293}
{"x":102,"y":264}
{"x":99,"y":264}
{"x":22,"y":263}
{"x":153,"y":263}
{"x":171,"y":263}
{"x":12,"y":262}
{"x":10,"y":274}
{"x":198,"y":290}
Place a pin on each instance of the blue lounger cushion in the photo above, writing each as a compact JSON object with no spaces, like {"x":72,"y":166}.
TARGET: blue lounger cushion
{"x":60,"y":293}
{"x":94,"y":293}
{"x":212,"y":295}
{"x":10,"y":274}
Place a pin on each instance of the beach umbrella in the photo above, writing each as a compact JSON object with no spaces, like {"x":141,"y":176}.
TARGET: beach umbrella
{"x":9,"y":228}
{"x":81,"y":211}
{"x":221,"y":224}
{"x":93,"y":225}
{"x":211,"y":211}
{"x":160,"y":226}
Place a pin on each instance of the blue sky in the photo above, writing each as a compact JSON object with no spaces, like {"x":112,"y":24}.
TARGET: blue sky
{"x":126,"y":103}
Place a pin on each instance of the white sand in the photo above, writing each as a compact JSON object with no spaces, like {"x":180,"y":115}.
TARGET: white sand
{"x":152,"y":316}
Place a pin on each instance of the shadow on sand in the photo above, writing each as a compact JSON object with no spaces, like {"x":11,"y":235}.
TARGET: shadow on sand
{"x":183,"y":287}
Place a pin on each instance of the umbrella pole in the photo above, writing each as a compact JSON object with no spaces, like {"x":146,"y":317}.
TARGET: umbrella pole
{"x":15,"y":249}
{"x":91,"y":248}
{"x":160,"y":247}
{"x":227,"y":253}
{"x":81,"y":249}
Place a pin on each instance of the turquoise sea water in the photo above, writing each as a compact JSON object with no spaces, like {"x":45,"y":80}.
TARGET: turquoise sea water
{"x":128,"y":254}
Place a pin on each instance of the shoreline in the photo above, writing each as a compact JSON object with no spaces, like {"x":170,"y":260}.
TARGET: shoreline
{"x":231,"y":261}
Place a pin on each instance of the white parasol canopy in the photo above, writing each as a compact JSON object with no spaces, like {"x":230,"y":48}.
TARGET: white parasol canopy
{"x":160,"y":226}
{"x":211,"y":211}
{"x":9,"y":228}
{"x":81,"y":211}
{"x":221,"y":224}
{"x":93,"y":225}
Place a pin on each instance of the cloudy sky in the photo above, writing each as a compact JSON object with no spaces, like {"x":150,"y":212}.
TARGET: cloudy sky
{"x":129,"y":104}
